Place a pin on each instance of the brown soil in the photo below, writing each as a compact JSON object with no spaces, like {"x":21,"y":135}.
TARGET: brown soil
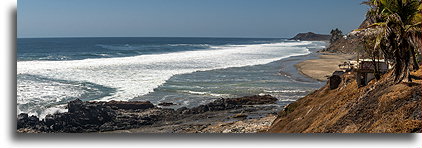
{"x":380,"y":107}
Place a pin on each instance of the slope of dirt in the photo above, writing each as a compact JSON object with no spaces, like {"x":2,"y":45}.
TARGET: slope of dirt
{"x":380,"y":107}
{"x":344,"y":45}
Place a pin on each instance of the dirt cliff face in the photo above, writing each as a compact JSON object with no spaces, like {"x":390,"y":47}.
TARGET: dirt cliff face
{"x":380,"y":107}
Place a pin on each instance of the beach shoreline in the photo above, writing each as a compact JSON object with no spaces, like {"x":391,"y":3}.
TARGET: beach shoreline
{"x":289,"y":66}
{"x":322,"y":67}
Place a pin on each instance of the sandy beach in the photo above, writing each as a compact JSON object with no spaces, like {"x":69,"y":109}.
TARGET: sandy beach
{"x":323,"y":67}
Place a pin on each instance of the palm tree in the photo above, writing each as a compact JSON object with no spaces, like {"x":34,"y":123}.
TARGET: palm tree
{"x":335,"y":35}
{"x":397,"y":24}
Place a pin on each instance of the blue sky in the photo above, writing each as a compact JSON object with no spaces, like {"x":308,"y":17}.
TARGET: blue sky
{"x":185,"y":18}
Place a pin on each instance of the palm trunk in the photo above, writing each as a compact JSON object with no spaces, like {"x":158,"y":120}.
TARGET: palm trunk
{"x":376,"y":68}
{"x":402,"y":59}
{"x":415,"y":62}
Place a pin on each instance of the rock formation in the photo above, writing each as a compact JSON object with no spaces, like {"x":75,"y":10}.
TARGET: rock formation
{"x":310,"y":36}
{"x":118,"y":115}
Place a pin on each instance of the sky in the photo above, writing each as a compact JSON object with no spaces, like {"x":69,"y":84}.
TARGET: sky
{"x":185,"y":18}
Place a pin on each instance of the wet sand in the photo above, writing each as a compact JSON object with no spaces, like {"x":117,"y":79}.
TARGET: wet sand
{"x":320,"y":69}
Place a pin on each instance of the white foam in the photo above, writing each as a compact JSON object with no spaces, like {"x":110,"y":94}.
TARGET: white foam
{"x":205,"y":93}
{"x":196,"y":92}
{"x":289,"y":100}
{"x":139,"y":75}
{"x":52,"y":110}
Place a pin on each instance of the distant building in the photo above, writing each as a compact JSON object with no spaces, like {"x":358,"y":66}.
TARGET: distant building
{"x":364,"y":70}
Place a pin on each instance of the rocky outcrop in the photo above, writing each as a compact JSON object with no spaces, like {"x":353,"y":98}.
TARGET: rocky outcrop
{"x":127,"y":105}
{"x":89,"y":117}
{"x":119,"y":115}
{"x":231,"y":103}
{"x":23,"y":120}
{"x":310,"y":36}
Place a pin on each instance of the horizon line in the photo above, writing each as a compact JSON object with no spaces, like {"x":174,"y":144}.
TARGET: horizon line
{"x":144,"y":37}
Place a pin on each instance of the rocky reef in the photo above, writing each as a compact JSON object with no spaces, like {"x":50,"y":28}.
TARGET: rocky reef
{"x":123,"y":115}
{"x":230,"y":103}
{"x":90,"y":117}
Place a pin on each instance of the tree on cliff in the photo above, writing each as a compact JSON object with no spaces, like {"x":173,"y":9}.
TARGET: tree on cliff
{"x":397,"y":27}
{"x":335,"y":35}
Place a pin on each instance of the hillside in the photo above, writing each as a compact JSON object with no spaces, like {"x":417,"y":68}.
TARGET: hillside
{"x":348,"y":45}
{"x":344,"y":46}
{"x":380,"y":107}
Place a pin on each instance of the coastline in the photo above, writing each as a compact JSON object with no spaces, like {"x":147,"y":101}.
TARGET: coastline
{"x":243,"y":118}
{"x":139,"y":80}
{"x":289,"y":66}
{"x":320,"y":69}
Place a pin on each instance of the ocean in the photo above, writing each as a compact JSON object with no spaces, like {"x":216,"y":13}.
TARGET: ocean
{"x":184,"y":71}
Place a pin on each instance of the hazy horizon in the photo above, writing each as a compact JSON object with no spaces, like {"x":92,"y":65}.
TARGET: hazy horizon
{"x":151,"y":37}
{"x":185,"y":18}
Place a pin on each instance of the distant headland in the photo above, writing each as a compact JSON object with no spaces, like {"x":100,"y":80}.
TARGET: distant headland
{"x":310,"y":36}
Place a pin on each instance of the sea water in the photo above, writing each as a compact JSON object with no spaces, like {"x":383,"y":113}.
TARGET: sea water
{"x":184,"y":71}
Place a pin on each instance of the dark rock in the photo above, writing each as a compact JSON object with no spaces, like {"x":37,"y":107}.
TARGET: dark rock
{"x":182,"y":110}
{"x":252,"y":100}
{"x":334,"y":81}
{"x":132,"y":105}
{"x":23,"y":116}
{"x":166,"y":104}
{"x":81,"y":117}
{"x":118,"y":115}
{"x":338,"y":73}
{"x":24,"y":121}
{"x":310,"y":36}
{"x":74,"y":106}
{"x":231,"y":103}
{"x":49,"y":120}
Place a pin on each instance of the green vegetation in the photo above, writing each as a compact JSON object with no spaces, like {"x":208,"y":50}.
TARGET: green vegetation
{"x":335,"y":35}
{"x":396,"y":28}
